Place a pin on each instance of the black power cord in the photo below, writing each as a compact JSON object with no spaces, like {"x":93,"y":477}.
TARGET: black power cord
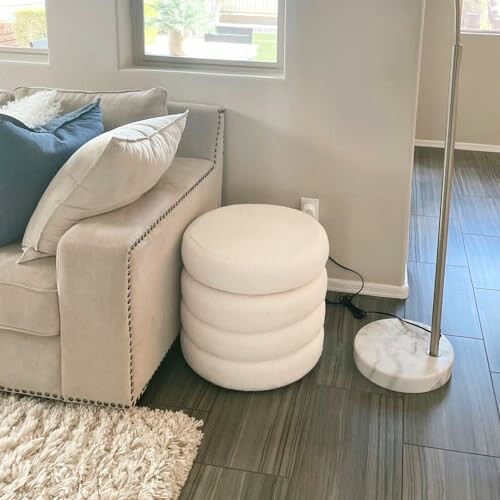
{"x":358,"y":313}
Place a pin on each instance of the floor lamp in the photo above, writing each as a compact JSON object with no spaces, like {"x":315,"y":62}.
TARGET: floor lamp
{"x":407,"y":357}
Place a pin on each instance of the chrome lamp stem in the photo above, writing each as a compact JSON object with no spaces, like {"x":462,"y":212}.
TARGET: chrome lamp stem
{"x":449,"y":166}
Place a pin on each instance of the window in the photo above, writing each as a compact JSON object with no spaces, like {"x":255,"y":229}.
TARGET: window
{"x":23,"y":25}
{"x":481,"y":16}
{"x":221,"y":32}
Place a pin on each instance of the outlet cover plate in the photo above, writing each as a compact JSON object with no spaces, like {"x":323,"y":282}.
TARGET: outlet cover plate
{"x":310,"y":206}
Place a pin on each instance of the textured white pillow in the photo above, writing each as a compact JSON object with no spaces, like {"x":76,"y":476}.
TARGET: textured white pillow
{"x":109,"y":172}
{"x":35,"y":110}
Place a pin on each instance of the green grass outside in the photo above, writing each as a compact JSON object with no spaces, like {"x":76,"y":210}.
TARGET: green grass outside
{"x":267,"y":47}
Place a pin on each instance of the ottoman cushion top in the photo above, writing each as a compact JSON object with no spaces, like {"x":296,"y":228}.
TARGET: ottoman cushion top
{"x":255,"y":249}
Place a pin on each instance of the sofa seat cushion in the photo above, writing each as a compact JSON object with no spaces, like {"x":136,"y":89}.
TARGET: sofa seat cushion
{"x":28,"y":294}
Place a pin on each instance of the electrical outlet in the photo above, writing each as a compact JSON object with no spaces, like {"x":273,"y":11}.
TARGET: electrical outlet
{"x":310,"y":206}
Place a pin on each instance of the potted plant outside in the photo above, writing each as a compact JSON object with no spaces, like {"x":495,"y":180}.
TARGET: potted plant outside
{"x":181,"y":19}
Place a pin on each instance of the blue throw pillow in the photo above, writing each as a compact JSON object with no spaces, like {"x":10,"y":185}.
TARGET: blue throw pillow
{"x":30,"y":158}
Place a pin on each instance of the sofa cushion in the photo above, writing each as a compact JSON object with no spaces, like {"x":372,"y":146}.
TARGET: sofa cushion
{"x":107,"y":173}
{"x":5,"y":97}
{"x":29,"y":159}
{"x":28,"y":294}
{"x":118,"y":108}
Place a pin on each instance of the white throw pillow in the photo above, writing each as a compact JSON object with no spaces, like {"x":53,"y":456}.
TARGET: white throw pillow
{"x":35,"y":110}
{"x":109,"y":172}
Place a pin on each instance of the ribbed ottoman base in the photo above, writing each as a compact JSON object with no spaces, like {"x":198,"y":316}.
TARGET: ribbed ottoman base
{"x":253,"y":295}
{"x":253,"y":376}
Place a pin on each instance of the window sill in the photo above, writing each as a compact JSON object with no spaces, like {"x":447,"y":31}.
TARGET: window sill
{"x":208,"y":70}
{"x":13,"y":54}
{"x":480,"y":33}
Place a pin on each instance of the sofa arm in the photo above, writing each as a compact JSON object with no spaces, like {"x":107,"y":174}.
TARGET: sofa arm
{"x":119,"y":285}
{"x":199,"y":137}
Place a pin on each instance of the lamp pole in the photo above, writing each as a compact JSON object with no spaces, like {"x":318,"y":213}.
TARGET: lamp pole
{"x":447,"y":185}
{"x":401,"y":355}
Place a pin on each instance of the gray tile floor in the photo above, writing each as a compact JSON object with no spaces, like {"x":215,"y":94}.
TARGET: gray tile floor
{"x":334,"y":435}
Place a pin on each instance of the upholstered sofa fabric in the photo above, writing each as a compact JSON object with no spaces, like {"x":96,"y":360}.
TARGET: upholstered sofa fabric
{"x":30,"y":364}
{"x":118,"y":282}
{"x":28,"y":294}
{"x":30,"y":158}
{"x":252,"y":249}
{"x":119,"y":108}
{"x":137,"y":248}
{"x":253,"y":296}
{"x":107,"y":173}
{"x":124,"y":326}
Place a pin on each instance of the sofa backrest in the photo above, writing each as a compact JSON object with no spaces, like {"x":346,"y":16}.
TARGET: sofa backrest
{"x":5,"y":97}
{"x":118,"y":108}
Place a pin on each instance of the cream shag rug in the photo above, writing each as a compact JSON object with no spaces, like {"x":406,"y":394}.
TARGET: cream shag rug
{"x":54,"y":450}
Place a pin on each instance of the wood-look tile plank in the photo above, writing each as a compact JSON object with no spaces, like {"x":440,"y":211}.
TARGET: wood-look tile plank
{"x":462,"y":416}
{"x":351,"y":447}
{"x":483,"y":253}
{"x":428,"y":172}
{"x":476,"y":177}
{"x":336,"y":366}
{"x":254,"y":431}
{"x":479,"y":215}
{"x":496,"y":385}
{"x":175,"y":385}
{"x":207,"y":482}
{"x":494,"y":160}
{"x":423,"y":241}
{"x":459,"y":309}
{"x":431,"y":474}
{"x":488,"y":304}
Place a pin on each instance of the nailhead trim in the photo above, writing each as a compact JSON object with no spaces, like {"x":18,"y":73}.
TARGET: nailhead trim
{"x":57,"y":397}
{"x":129,"y":302}
{"x":138,"y":240}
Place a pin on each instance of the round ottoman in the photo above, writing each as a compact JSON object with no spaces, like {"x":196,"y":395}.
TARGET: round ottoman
{"x":253,"y":295}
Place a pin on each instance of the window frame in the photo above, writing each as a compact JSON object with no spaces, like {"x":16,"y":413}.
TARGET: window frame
{"x":25,"y":54}
{"x":480,"y":32}
{"x":140,"y":58}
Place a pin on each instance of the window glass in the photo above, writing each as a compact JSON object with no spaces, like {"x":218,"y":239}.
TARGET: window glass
{"x":481,"y":15}
{"x":23,"y":24}
{"x":227,"y":30}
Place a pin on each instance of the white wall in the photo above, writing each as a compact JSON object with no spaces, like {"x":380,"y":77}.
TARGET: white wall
{"x":479,"y":98}
{"x":340,"y":126}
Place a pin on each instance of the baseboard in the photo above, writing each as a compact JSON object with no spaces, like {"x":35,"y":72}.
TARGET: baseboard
{"x":466,"y":146}
{"x":374,"y":289}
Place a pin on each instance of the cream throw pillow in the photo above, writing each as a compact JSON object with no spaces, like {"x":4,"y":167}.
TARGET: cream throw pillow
{"x":109,"y":172}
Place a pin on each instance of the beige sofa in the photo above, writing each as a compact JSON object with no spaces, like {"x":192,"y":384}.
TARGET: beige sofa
{"x":93,"y":323}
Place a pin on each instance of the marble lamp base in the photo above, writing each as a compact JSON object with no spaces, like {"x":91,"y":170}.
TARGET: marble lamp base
{"x":395,"y":355}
